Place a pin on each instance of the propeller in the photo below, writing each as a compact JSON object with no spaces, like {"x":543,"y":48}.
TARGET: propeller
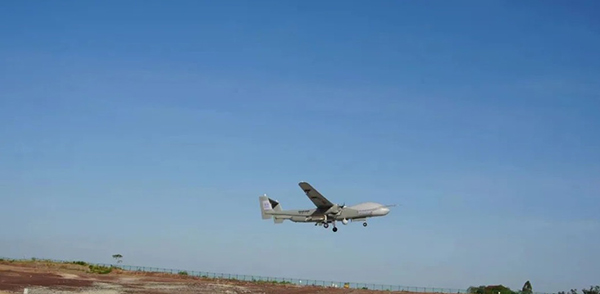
{"x":339,"y":209}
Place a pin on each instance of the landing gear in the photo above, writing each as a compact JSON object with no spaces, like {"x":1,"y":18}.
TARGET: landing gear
{"x":326,"y":225}
{"x":364,"y":224}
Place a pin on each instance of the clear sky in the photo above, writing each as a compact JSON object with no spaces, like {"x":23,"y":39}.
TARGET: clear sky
{"x":150,"y":129}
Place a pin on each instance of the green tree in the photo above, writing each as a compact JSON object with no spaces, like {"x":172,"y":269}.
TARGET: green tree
{"x":527,"y":288}
{"x":491,"y":289}
{"x":591,"y":290}
{"x":118,"y":257}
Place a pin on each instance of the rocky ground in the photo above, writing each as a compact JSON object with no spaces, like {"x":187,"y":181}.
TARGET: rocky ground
{"x":53,"y":278}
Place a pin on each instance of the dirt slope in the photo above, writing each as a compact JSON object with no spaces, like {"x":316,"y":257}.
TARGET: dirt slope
{"x":46,"y":277}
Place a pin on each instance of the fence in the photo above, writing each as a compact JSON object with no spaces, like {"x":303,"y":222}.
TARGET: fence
{"x":255,"y":278}
{"x":306,"y":282}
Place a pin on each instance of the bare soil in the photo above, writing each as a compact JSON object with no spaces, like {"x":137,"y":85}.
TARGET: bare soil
{"x":54,"y":278}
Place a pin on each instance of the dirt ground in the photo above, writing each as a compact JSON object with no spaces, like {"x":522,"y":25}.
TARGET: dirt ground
{"x":48,"y":278}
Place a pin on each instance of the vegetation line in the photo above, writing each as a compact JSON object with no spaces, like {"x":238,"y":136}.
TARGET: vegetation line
{"x":98,"y":268}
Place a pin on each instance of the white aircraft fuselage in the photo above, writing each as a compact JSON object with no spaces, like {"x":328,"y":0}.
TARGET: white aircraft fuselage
{"x":325,"y":211}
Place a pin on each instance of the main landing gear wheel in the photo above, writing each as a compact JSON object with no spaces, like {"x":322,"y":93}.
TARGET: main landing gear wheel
{"x":334,"y":229}
{"x":364,"y":224}
{"x":326,"y":225}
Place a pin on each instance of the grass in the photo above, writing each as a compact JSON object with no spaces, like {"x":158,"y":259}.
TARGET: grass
{"x":98,"y":269}
{"x":272,"y":282}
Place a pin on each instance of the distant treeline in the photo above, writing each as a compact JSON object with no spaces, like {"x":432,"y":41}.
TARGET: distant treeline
{"x":527,"y":289}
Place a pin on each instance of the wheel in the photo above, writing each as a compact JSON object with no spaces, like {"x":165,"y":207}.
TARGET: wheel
{"x":326,"y":225}
{"x":364,"y":224}
{"x":335,"y":229}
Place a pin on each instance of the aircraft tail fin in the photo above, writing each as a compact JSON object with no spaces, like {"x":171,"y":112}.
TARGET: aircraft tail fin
{"x":267,"y":205}
{"x":277,"y":207}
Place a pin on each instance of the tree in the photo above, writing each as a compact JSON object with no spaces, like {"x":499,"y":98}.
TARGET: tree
{"x":118,"y":257}
{"x":591,"y":290}
{"x":527,"y":288}
{"x":476,"y":290}
{"x":491,"y":289}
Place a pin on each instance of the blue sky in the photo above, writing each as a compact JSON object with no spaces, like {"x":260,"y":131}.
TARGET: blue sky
{"x":150,"y":129}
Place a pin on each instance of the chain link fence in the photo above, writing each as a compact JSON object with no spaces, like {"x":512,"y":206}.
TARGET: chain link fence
{"x":267,"y":279}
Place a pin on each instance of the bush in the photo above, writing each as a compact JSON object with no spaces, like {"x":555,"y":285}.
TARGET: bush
{"x":492,"y":289}
{"x":98,"y":269}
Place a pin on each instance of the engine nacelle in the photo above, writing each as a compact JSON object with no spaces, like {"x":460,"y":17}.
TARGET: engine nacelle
{"x":336,"y":209}
{"x":345,"y":221}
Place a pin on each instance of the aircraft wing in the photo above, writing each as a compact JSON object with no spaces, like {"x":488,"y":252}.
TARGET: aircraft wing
{"x":319,"y":200}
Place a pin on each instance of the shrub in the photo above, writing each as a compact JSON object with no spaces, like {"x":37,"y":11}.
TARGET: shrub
{"x":98,"y":269}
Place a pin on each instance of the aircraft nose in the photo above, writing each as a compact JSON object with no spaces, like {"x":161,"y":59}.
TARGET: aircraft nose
{"x":383,"y":211}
